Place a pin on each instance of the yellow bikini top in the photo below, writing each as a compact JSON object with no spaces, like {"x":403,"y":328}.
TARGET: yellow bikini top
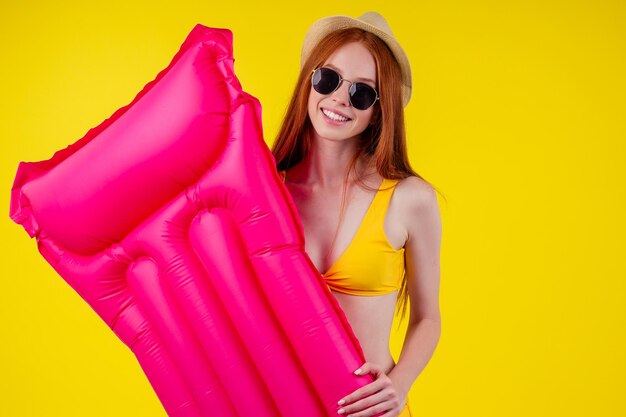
{"x":370,"y":265}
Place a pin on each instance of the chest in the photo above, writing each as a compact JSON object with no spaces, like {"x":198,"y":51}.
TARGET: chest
{"x":327,"y":236}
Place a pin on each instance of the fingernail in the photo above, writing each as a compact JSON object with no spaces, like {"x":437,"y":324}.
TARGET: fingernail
{"x":341,"y":402}
{"x":357,"y":372}
{"x":341,"y":411}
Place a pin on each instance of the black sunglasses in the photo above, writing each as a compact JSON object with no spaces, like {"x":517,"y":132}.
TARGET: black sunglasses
{"x":325,"y":81}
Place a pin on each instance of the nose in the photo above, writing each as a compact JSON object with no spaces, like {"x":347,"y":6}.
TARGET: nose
{"x":341,"y":94}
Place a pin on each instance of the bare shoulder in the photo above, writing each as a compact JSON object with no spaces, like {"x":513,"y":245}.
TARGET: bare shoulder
{"x":418,"y":205}
{"x":414,"y":194}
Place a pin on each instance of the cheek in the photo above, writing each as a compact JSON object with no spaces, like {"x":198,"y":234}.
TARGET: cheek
{"x":368,"y":118}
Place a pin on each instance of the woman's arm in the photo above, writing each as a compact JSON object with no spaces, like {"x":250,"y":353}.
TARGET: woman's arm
{"x":420,"y":214}
{"x":422,"y":248}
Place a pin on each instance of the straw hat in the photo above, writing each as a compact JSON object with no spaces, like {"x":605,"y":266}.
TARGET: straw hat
{"x":371,"y":22}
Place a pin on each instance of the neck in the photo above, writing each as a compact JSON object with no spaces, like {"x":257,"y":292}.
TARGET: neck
{"x":326,"y":164}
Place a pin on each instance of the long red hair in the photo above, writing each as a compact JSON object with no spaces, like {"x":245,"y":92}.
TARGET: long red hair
{"x":382,"y":145}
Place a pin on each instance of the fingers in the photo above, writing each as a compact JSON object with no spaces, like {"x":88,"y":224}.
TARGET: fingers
{"x":381,"y":382}
{"x":362,"y":370}
{"x":365,"y":391}
{"x":378,"y":402}
{"x":367,"y":367}
{"x":374,"y":398}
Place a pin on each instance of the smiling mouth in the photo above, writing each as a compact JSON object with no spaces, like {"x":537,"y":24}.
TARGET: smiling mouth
{"x":334,"y":116}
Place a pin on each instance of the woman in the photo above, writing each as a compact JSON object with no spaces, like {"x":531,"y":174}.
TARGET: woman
{"x":345,"y":127}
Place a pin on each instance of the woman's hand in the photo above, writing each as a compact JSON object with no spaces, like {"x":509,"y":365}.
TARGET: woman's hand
{"x":374,"y":398}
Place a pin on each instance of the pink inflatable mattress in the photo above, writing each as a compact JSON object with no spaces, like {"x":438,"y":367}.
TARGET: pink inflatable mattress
{"x":171,"y":221}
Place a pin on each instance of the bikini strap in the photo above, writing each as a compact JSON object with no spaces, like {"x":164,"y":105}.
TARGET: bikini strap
{"x":382,"y":200}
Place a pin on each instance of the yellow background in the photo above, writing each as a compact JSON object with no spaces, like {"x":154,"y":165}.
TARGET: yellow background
{"x":518,"y":116}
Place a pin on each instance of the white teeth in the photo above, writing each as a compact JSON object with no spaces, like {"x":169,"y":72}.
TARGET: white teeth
{"x":334,"y":116}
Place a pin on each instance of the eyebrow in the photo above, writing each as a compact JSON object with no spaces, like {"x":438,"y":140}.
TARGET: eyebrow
{"x":357,"y":79}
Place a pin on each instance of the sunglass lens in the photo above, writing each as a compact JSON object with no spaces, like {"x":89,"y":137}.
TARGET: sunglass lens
{"x":325,"y":80}
{"x":362,"y":96}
